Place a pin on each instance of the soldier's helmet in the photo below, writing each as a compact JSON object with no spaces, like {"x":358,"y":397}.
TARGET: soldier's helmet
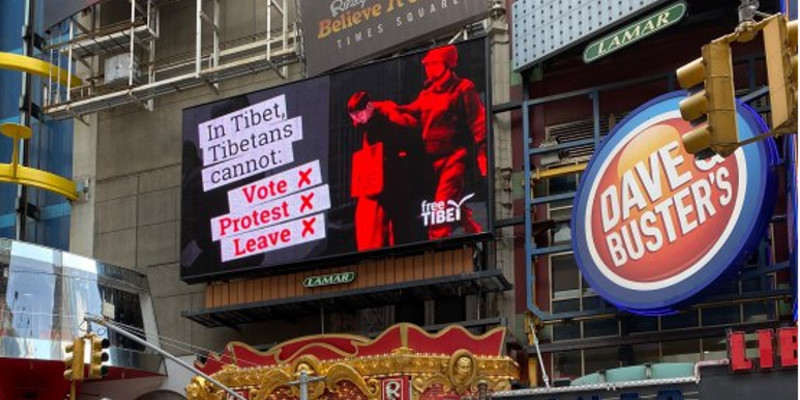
{"x":447,"y":55}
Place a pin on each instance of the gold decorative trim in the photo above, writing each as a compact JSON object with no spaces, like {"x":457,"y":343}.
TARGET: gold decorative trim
{"x":462,"y":370}
{"x":423,"y":383}
{"x":343,"y":372}
{"x":199,"y":389}
{"x":269,"y":382}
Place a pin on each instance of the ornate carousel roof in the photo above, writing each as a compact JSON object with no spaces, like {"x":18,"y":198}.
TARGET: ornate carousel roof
{"x":449,"y":364}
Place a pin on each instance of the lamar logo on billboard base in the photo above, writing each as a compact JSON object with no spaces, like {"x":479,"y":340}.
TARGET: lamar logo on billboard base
{"x":652,"y":225}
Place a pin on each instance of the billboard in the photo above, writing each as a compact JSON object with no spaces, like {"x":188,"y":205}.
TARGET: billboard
{"x":653,"y":226}
{"x":337,"y":32}
{"x":370,"y":159}
{"x":57,"y":11}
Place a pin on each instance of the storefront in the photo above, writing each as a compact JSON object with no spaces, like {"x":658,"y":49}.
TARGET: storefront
{"x":573,"y":103}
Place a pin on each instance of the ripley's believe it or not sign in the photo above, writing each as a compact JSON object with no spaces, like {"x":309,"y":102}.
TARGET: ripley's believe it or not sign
{"x":653,"y":227}
{"x":337,"y":32}
{"x":388,"y":155}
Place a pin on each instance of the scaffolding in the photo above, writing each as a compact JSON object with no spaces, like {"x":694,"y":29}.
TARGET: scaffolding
{"x":132,"y":74}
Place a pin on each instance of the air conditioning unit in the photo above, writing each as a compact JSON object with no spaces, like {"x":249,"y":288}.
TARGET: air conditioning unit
{"x":118,"y":68}
{"x":549,"y":158}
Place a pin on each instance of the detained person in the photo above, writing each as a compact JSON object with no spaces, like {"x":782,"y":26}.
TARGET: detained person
{"x":383,"y":174}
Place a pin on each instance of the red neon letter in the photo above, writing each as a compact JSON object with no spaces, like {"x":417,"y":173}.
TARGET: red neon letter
{"x":787,"y":339}
{"x":736,"y":350}
{"x":765,"y":350}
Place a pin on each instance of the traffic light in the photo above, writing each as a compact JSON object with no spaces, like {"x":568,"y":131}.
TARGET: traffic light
{"x":99,"y":355}
{"x":780,"y":48}
{"x":709,"y":80}
{"x":73,"y":360}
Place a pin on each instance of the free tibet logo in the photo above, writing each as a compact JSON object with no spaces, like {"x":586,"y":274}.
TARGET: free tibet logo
{"x":652,"y":225}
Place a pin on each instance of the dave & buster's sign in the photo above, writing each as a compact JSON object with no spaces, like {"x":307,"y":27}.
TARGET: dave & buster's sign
{"x":385,"y":156}
{"x":652,"y":225}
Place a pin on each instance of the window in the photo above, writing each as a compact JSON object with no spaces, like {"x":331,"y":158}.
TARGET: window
{"x":568,"y":330}
{"x":601,"y":327}
{"x":601,"y":359}
{"x":638,"y":323}
{"x":725,"y":315}
{"x":567,"y":364}
{"x":686,"y":319}
{"x":565,"y":276}
{"x":714,"y":348}
{"x":681,"y":351}
{"x":645,"y":353}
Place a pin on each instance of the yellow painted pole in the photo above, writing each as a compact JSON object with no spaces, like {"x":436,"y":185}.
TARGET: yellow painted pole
{"x":36,"y":66}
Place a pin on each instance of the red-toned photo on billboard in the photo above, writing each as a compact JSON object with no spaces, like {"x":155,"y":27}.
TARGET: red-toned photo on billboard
{"x":387,"y":156}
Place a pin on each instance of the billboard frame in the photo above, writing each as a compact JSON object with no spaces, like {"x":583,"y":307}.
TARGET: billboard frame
{"x":398,"y":250}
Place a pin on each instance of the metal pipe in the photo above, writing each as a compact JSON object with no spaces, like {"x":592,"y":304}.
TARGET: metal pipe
{"x":708,"y":363}
{"x":215,"y":62}
{"x":596,"y":115}
{"x":269,"y":30}
{"x":539,"y":354}
{"x":198,"y":35}
{"x":113,"y":327}
{"x":303,"y":385}
{"x":132,"y":50}
{"x":69,"y":57}
{"x":25,"y":118}
{"x":285,"y":69}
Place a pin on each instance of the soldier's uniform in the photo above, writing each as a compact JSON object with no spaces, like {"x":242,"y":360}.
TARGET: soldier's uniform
{"x":385,"y":213}
{"x":450,"y":114}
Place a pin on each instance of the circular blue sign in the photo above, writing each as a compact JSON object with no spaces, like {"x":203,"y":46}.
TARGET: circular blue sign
{"x":653,"y":226}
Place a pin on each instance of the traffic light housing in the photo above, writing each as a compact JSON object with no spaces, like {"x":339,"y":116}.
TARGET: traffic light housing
{"x":780,"y":49}
{"x":99,"y":349}
{"x":709,"y":80}
{"x":73,"y":360}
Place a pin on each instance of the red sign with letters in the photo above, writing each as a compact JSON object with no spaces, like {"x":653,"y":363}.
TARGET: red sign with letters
{"x":786,"y":339}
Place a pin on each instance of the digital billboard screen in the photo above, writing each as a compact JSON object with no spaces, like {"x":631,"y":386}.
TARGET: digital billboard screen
{"x":386,"y":156}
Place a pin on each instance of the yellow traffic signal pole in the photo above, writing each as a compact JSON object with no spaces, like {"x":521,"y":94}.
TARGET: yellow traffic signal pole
{"x":73,"y":364}
{"x":716,"y":102}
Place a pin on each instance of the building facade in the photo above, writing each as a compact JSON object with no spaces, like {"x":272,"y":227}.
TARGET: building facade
{"x":147,"y":64}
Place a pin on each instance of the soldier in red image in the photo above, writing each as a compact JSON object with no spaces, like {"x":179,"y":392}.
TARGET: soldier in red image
{"x":452,"y":118}
{"x":385,"y":194}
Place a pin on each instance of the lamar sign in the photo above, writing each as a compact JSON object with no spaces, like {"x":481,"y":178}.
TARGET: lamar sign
{"x":652,"y":225}
{"x":634,"y":32}
{"x":328,"y":280}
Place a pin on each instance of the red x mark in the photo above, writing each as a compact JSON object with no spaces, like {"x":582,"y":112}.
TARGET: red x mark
{"x":304,"y":177}
{"x":306,"y":199}
{"x":308,"y":226}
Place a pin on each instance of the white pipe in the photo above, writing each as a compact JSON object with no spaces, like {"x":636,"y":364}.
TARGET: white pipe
{"x":198,"y":38}
{"x":539,"y":355}
{"x":69,"y":58}
{"x":132,"y":50}
{"x":708,"y":363}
